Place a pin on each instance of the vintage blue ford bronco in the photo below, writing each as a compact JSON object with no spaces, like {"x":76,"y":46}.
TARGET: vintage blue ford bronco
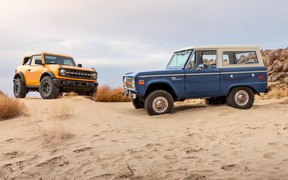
{"x":219,"y":74}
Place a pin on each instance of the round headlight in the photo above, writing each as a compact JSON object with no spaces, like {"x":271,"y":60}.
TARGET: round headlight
{"x":62,"y":72}
{"x":94,"y":75}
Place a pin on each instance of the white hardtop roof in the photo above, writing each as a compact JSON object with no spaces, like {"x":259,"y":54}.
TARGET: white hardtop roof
{"x":221,"y":47}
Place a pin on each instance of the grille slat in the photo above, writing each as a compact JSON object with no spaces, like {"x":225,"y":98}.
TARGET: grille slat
{"x":79,"y":74}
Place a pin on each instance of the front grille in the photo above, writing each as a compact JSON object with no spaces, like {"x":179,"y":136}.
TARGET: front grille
{"x":79,"y":74}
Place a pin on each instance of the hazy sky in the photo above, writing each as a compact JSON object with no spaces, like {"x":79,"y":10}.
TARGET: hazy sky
{"x":119,"y":36}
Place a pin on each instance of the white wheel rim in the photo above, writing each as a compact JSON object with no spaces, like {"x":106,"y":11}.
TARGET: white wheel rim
{"x":160,"y":104}
{"x":241,"y":98}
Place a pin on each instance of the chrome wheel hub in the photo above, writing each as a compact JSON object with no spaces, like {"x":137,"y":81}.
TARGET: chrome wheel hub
{"x":241,"y":98}
{"x":160,"y":104}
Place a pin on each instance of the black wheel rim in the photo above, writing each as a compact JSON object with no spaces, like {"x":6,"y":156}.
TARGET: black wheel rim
{"x":46,"y":88}
{"x":16,"y":88}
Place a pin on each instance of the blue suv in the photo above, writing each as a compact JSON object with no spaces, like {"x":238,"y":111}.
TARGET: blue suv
{"x":219,"y":74}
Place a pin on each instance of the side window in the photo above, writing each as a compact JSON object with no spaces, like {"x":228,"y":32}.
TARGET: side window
{"x":205,"y":58}
{"x":239,"y":58}
{"x":27,"y":61}
{"x":209,"y":59}
{"x":33,"y":60}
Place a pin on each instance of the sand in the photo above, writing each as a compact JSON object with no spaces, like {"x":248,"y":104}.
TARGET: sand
{"x":82,"y":139}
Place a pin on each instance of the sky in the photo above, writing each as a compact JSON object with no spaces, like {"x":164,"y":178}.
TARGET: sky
{"x":120,"y":36}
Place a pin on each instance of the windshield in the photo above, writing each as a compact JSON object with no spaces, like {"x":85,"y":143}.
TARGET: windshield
{"x":179,"y":59}
{"x":62,"y":60}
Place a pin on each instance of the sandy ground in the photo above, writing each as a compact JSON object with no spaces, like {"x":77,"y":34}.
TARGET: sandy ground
{"x":90,"y":140}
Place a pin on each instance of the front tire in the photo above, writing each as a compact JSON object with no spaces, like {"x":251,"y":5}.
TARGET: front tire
{"x":241,"y":98}
{"x":48,"y":90}
{"x":138,"y":103}
{"x":92,"y":94}
{"x":158,"y":102}
{"x":19,"y":89}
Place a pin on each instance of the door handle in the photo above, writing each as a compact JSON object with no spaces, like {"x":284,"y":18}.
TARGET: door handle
{"x":216,"y":70}
{"x":29,"y":70}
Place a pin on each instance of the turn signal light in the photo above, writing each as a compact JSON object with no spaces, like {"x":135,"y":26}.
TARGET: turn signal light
{"x":141,"y":82}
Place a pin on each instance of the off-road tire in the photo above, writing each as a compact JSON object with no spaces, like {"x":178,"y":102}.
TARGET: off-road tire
{"x":92,"y":94}
{"x":138,"y":103}
{"x":48,"y":90}
{"x":158,"y":102}
{"x":19,"y":89}
{"x":241,"y":98}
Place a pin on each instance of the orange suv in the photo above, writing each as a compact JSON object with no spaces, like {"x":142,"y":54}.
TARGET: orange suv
{"x":51,"y":75}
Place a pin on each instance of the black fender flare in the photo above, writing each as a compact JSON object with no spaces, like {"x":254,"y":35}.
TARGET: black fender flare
{"x":21,"y":76}
{"x":48,"y":73}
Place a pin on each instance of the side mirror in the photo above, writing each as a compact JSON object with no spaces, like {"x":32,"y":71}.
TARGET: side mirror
{"x":79,"y":65}
{"x":38,"y":61}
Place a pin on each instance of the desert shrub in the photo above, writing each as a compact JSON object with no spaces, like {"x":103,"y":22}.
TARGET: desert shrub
{"x":52,"y":132}
{"x":106,"y":94}
{"x":10,"y":107}
{"x":62,"y":111}
{"x":276,"y":92}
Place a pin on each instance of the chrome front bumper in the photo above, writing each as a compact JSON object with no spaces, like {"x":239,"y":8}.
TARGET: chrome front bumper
{"x":129,"y":93}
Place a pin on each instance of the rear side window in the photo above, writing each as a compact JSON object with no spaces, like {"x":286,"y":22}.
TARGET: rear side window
{"x":239,"y":58}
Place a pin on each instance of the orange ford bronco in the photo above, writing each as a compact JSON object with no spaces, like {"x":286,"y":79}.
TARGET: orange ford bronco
{"x":51,"y":75}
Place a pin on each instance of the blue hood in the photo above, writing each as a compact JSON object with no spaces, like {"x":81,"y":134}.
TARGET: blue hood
{"x":155,"y":72}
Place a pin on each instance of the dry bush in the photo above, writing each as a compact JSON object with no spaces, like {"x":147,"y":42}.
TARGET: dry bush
{"x":54,"y":132}
{"x":10,"y":107}
{"x":62,"y":111}
{"x":106,"y":94}
{"x":275,"y":92}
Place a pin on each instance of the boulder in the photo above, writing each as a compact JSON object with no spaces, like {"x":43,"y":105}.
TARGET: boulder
{"x":271,"y":58}
{"x":278,"y":53}
{"x":277,"y":66}
{"x":285,"y":67}
{"x":286,"y":80}
{"x":277,"y":77}
{"x":269,"y":69}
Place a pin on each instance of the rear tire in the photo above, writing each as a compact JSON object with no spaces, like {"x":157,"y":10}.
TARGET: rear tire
{"x":241,"y":98}
{"x":48,"y":90}
{"x":158,"y":102}
{"x":19,"y":89}
{"x":138,"y":103}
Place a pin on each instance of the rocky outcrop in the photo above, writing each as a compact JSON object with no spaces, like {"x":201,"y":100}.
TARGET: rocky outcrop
{"x":276,"y":62}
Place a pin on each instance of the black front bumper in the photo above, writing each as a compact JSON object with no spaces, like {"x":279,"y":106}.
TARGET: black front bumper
{"x":77,"y":86}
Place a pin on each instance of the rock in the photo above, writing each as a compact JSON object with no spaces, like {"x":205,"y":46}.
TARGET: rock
{"x":286,"y":80}
{"x":278,"y":53}
{"x":285,"y":67}
{"x":274,"y":79}
{"x":269,"y":69}
{"x":277,"y":77}
{"x":271,"y":58}
{"x":277,"y":66}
